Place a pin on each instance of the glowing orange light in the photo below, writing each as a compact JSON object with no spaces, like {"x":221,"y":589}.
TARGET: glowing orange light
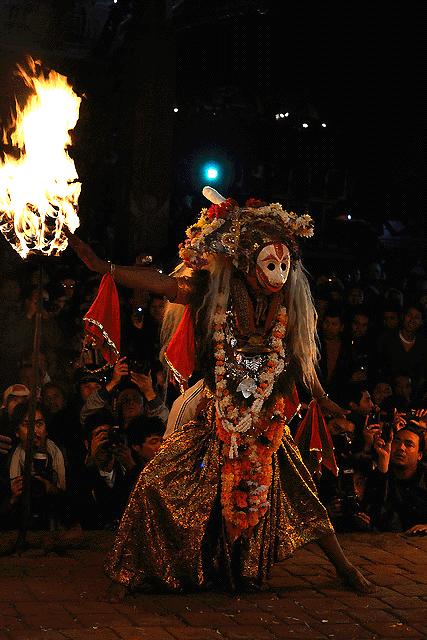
{"x":39,"y":191}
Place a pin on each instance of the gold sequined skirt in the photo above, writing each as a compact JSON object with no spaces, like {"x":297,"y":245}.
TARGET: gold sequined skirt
{"x":173,"y":535}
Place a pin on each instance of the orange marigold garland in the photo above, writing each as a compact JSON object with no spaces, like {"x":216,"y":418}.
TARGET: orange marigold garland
{"x":246,"y":480}
{"x":250,"y":436}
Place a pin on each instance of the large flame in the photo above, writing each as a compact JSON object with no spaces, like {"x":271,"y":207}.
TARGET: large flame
{"x":39,"y":191}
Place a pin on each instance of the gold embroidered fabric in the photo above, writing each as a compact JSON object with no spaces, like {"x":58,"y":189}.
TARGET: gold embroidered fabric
{"x":173,"y":534}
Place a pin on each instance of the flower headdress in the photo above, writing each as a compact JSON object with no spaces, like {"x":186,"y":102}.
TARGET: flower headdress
{"x":241,"y":231}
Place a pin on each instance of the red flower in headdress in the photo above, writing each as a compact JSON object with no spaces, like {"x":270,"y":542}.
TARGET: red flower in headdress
{"x":221,"y":210}
{"x":255,"y":204}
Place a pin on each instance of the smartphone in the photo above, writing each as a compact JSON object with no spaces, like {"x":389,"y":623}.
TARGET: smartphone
{"x":410,"y":415}
{"x":387,"y":431}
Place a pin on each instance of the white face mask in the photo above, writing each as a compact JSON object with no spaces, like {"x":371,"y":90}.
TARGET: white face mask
{"x":272,"y":266}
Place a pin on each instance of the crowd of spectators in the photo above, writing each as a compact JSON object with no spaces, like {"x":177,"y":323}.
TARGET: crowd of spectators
{"x":373,"y":347}
{"x":96,"y":426}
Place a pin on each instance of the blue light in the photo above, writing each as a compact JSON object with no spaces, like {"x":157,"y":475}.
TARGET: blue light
{"x":212,"y":173}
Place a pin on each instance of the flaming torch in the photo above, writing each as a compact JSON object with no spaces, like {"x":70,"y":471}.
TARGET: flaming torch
{"x":39,"y":191}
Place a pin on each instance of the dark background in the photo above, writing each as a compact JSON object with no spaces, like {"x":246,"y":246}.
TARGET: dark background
{"x":230,"y":67}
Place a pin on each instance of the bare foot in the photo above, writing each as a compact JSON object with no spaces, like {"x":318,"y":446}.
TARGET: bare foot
{"x":73,"y":535}
{"x":116,"y":592}
{"x":59,"y":541}
{"x":352,"y":577}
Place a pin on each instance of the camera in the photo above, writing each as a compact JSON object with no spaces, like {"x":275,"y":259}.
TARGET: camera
{"x":139,"y":366}
{"x":40,"y":462}
{"x":138,"y":314}
{"x":342,"y":445}
{"x":350,"y":503}
{"x":116,"y":436}
{"x":374,"y":417}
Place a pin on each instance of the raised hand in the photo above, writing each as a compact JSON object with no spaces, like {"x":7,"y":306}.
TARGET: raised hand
{"x":145,"y":383}
{"x":85,"y":253}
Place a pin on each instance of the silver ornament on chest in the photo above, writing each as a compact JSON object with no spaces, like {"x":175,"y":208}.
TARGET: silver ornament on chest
{"x":248,"y":386}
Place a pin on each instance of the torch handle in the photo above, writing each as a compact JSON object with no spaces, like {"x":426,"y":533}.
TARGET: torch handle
{"x":29,"y":450}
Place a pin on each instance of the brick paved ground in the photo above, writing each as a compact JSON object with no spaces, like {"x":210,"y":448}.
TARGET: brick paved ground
{"x":52,"y":597}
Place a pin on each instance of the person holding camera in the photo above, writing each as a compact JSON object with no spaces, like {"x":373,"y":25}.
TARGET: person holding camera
{"x":136,"y":396}
{"x":346,"y":496}
{"x":48,"y":481}
{"x":416,"y":416}
{"x":403,"y":477}
{"x":101,"y":488}
{"x":350,"y":507}
{"x":365,"y":416}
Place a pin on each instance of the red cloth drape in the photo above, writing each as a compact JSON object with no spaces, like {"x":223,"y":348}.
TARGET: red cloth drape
{"x":102,"y":321}
{"x":180,"y":354}
{"x":314,"y":441}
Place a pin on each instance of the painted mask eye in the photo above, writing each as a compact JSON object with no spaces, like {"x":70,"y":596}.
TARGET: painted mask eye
{"x":271,"y":266}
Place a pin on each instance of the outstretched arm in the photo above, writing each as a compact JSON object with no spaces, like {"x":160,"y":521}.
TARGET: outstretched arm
{"x":326,"y":404}
{"x":144,"y":278}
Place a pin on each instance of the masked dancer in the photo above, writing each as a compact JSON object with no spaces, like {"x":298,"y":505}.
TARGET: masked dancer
{"x":228,"y":495}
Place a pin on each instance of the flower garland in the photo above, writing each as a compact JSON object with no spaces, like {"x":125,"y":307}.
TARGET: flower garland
{"x":210,"y":221}
{"x":205,"y":236}
{"x":246,"y":480}
{"x":250,"y":436}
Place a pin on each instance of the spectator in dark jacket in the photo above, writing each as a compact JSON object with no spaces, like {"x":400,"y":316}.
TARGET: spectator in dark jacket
{"x":403,"y":477}
{"x":101,"y":487}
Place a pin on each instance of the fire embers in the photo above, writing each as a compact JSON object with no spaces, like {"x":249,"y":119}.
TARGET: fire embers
{"x":39,"y":185}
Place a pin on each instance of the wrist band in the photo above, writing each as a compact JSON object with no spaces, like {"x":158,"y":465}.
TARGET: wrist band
{"x":112,"y":270}
{"x":325,"y":395}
